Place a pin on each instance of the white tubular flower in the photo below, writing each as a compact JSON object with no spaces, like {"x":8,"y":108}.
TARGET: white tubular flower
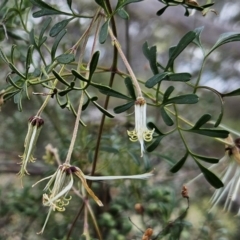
{"x":230,"y":177}
{"x":61,"y":182}
{"x":141,"y":133}
{"x":35,"y":124}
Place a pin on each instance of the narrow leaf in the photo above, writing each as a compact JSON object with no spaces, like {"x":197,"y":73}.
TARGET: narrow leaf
{"x":151,"y":125}
{"x":123,"y":107}
{"x":110,"y":92}
{"x":179,"y":164}
{"x":122,"y":13}
{"x":233,"y":93}
{"x":56,"y":42}
{"x":179,"y":77}
{"x":104,"y":111}
{"x":15,"y":70}
{"x":168,"y":120}
{"x":161,"y":11}
{"x":210,"y":177}
{"x":155,"y":144}
{"x":167,"y":93}
{"x":65,"y":58}
{"x":58,"y":27}
{"x":103,"y":32}
{"x":59,"y":78}
{"x":3,"y":56}
{"x":210,"y":132}
{"x":69,"y":3}
{"x":183,"y":99}
{"x":93,"y":64}
{"x":183,"y":43}
{"x":151,"y":55}
{"x":129,"y":86}
{"x":78,"y":75}
{"x":156,"y":79}
{"x":206,"y":159}
{"x":225,"y":38}
{"x":101,"y":3}
{"x":202,"y":120}
{"x":45,"y":25}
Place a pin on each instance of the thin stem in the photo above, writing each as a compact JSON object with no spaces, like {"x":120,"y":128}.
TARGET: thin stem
{"x":114,"y":70}
{"x":75,"y":131}
{"x":134,"y":79}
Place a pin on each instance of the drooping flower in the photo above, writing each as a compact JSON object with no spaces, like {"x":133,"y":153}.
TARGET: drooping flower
{"x":141,"y":133}
{"x":35,"y":124}
{"x":230,"y":176}
{"x":61,"y":182}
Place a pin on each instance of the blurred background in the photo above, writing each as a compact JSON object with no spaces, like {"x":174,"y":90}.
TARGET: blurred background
{"x":159,"y":199}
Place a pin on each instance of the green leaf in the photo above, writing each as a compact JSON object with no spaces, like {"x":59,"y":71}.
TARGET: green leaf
{"x":179,"y":164}
{"x":151,"y":55}
{"x":104,"y":111}
{"x":59,"y":78}
{"x":45,"y":25}
{"x":197,"y":40}
{"x":3,"y":56}
{"x":206,"y":159}
{"x":210,"y":177}
{"x":183,"y":99}
{"x":155,"y":79}
{"x":161,"y":11}
{"x":219,"y":119}
{"x":15,"y":70}
{"x":202,"y":120}
{"x":56,"y":42}
{"x":110,"y":92}
{"x":122,"y":3}
{"x":183,"y":43}
{"x":210,"y":132}
{"x":103,"y":32}
{"x":155,"y":144}
{"x":151,"y":125}
{"x":225,"y":38}
{"x":233,"y":93}
{"x":93,"y":63}
{"x":122,"y":13}
{"x":101,"y":3}
{"x":167,"y":93}
{"x":9,"y":79}
{"x":123,"y":107}
{"x":78,"y":75}
{"x":168,"y":120}
{"x":69,"y":3}
{"x":58,"y":27}
{"x":179,"y":77}
{"x":18,"y":100}
{"x":129,"y":86}
{"x":28,"y":59}
{"x":32,"y":38}
{"x":45,"y":9}
{"x":65,"y":58}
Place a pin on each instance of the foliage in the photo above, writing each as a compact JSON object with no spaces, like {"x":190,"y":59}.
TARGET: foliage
{"x":54,"y":70}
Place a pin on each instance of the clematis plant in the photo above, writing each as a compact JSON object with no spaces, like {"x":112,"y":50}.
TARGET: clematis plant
{"x":61,"y":182}
{"x":141,"y":133}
